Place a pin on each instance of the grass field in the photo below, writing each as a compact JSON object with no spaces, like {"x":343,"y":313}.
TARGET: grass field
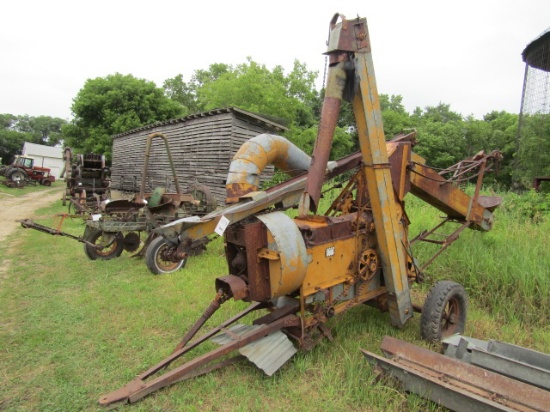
{"x":30,"y":188}
{"x":72,"y":329}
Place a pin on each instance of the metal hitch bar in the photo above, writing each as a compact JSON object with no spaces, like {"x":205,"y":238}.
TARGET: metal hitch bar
{"x":139,"y":388}
{"x":29,"y":224}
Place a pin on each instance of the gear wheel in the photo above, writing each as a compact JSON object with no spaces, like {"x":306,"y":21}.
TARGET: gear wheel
{"x":368,"y":264}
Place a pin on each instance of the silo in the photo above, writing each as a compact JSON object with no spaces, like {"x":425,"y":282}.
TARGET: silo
{"x":532,"y":165}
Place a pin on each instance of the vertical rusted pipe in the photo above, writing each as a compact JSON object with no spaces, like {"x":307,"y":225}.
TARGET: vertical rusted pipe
{"x":150,"y":138}
{"x":329,"y":118}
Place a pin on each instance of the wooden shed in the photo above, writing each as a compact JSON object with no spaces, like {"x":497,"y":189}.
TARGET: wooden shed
{"x":202,"y":146}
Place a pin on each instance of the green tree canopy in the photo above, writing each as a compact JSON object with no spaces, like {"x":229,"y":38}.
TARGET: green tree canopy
{"x":253,"y":87}
{"x":114,"y":104}
{"x":533,"y":156}
{"x":44,"y":130}
{"x":16,"y":130}
{"x":185,"y":93}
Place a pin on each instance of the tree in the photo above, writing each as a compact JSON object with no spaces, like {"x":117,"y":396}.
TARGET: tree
{"x":186,"y":93}
{"x":253,"y":87}
{"x":440,"y":134}
{"x":16,"y":130}
{"x":304,"y":138}
{"x":11,"y":142}
{"x":395,"y":116}
{"x":114,"y":104}
{"x":533,"y":156}
{"x":44,"y":130}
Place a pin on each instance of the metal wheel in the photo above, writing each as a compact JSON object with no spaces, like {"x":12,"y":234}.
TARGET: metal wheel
{"x":112,"y":242}
{"x":444,"y":311}
{"x":368,"y":264}
{"x":156,"y":260}
{"x":207,"y":200}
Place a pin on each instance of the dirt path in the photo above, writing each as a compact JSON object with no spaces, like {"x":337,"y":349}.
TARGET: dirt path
{"x":13,"y":207}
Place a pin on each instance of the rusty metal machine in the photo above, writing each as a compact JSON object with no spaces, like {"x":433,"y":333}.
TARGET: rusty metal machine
{"x":116,"y":225}
{"x":303,"y":271}
{"x":119,"y":225}
{"x":87,"y":181}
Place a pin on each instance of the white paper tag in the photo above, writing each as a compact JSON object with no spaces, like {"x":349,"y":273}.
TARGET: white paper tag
{"x":95,"y":218}
{"x":222,"y":225}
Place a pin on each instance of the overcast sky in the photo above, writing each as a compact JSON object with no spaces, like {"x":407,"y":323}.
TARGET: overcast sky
{"x":463,"y":53}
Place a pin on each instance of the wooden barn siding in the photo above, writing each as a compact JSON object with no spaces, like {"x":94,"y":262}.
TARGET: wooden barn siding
{"x":201,"y":148}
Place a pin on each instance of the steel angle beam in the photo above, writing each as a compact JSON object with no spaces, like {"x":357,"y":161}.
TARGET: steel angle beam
{"x":419,"y":381}
{"x":524,"y":355}
{"x":511,"y":368}
{"x":516,"y":362}
{"x":460,"y":347}
{"x":455,"y":384}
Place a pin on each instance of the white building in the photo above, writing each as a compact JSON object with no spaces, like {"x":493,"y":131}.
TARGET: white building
{"x":45,"y":156}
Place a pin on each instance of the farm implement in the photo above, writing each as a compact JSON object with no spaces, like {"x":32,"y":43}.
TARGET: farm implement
{"x":298,"y":273}
{"x":118,"y":225}
{"x":23,"y":171}
{"x":87,"y":182}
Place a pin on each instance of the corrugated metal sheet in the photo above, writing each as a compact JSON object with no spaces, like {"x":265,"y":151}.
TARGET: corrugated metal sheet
{"x":269,"y":353}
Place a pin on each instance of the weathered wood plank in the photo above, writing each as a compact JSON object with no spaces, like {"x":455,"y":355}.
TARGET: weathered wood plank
{"x":202,"y":147}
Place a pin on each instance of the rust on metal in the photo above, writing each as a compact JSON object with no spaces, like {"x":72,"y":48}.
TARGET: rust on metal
{"x":454,"y":384}
{"x":311,"y":268}
{"x":321,"y":152}
{"x":140,"y":198}
{"x":29,"y":224}
{"x":87,"y":181}
{"x":139,"y":388}
{"x":253,"y":157}
{"x":233,"y":286}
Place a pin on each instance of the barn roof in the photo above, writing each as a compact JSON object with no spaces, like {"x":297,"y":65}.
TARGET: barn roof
{"x":262,"y":119}
{"x":31,"y":149}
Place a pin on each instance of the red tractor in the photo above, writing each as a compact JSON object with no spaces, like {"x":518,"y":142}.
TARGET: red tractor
{"x":23,"y":170}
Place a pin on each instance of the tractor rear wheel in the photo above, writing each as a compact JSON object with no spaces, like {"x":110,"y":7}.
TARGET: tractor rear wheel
{"x":155,"y":261}
{"x":17,"y":175}
{"x":113,"y":244}
{"x":444,"y":311}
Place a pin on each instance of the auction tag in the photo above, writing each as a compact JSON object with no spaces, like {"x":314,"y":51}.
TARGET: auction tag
{"x":222,"y":225}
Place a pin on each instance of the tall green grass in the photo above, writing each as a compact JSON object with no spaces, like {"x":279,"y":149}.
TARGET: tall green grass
{"x":72,"y":329}
{"x":506,"y":270}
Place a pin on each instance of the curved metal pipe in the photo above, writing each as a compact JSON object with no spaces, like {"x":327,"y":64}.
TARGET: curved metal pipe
{"x":254,"y":156}
{"x":141,"y":197}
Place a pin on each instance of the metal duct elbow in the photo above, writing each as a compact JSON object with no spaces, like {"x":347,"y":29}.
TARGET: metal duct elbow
{"x":254,"y":156}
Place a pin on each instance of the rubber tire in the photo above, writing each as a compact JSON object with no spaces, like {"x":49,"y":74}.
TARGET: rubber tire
{"x":153,"y":261}
{"x":445,"y":296}
{"x":92,"y":235}
{"x":17,"y":175}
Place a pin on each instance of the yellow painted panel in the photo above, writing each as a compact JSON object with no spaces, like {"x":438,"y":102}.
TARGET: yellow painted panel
{"x":331,"y":263}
